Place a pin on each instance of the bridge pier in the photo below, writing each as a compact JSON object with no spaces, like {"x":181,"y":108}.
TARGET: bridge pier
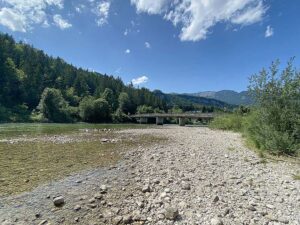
{"x":159,"y":121}
{"x":143,"y":120}
{"x":182,"y":122}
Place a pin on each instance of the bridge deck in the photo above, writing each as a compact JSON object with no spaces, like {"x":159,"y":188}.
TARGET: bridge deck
{"x":171,"y":115}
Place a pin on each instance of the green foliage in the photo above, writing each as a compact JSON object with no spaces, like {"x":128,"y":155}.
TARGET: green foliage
{"x":86,"y":107}
{"x":233,"y":121}
{"x":11,"y":83}
{"x":144,"y":109}
{"x":71,"y":97}
{"x":120,"y":117}
{"x":192,"y":103}
{"x":274,"y":124}
{"x":176,"y":109}
{"x":110,"y":97}
{"x":18,"y":113}
{"x":53,"y":106}
{"x":94,"y":111}
{"x":26,"y":72}
{"x":124,"y":103}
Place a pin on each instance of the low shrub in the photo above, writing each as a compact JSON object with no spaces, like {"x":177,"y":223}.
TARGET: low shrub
{"x":94,"y":111}
{"x":273,"y":124}
{"x":232,"y":122}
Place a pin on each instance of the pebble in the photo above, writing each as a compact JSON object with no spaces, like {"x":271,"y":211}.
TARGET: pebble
{"x":77,"y":207}
{"x":127,"y":219}
{"x":103,"y":189}
{"x":216,"y":221}
{"x":146,"y":188}
{"x":43,"y":222}
{"x":171,"y":213}
{"x":189,"y":184}
{"x":185,"y":186}
{"x":216,"y":199}
{"x":59,"y":201}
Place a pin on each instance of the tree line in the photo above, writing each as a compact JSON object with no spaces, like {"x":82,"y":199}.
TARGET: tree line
{"x":37,"y":87}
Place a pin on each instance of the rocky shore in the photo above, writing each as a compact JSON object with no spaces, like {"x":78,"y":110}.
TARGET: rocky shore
{"x":198,"y":176}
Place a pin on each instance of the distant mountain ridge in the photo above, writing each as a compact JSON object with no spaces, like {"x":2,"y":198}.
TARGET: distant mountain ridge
{"x":185,"y":101}
{"x":228,"y":96}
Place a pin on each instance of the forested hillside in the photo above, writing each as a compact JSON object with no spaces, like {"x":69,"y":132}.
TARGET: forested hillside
{"x":38,"y":87}
{"x":26,"y":72}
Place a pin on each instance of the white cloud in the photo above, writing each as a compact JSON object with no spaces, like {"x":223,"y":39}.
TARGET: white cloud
{"x":147,"y":45}
{"x":197,"y":17}
{"x":12,"y":20}
{"x":20,"y":15}
{"x":140,"y":80}
{"x":126,"y":32}
{"x":61,"y":23}
{"x":118,"y":71}
{"x":79,"y":8}
{"x":269,"y":32}
{"x":151,"y":6}
{"x":127,"y":51}
{"x":102,"y":12}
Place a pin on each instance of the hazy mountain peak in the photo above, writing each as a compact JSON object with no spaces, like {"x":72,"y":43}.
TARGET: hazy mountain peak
{"x":228,"y":96}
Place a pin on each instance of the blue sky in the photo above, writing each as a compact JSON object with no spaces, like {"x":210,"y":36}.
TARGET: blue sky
{"x":172,"y":45}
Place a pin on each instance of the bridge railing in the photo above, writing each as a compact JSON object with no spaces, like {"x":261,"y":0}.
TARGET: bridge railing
{"x":175,"y":115}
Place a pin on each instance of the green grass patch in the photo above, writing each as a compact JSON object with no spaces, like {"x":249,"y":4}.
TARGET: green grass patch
{"x":232,"y":122}
{"x":231,"y":149}
{"x":8,"y":130}
{"x":296,"y":176}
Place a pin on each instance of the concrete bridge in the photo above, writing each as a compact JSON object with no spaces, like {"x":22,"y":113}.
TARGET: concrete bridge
{"x":143,"y":118}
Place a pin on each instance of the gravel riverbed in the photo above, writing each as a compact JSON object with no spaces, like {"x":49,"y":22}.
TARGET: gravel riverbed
{"x":197,"y":176}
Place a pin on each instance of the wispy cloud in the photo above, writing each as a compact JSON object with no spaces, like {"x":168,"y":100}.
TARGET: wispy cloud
{"x":80,"y":8}
{"x":60,"y":22}
{"x":102,"y":12}
{"x":20,"y":15}
{"x":197,"y":17}
{"x":140,"y":80}
{"x":118,"y":71}
{"x":269,"y":32}
{"x":147,"y":45}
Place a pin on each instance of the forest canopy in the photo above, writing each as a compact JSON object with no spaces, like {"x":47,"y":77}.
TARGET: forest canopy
{"x":36,"y":86}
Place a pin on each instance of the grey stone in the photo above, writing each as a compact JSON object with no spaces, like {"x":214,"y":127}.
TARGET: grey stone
{"x":171,"y":213}
{"x":216,"y":221}
{"x":59,"y":201}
